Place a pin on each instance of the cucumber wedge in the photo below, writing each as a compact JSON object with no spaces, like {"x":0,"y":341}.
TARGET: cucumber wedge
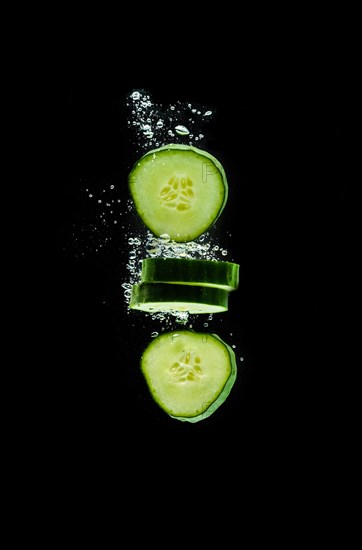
{"x":189,"y":374}
{"x":178,"y":190}
{"x":153,"y":297}
{"x":211,"y":273}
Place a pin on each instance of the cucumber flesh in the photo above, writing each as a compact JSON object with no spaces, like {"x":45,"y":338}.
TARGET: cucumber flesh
{"x":154,"y":297}
{"x":189,"y":374}
{"x":179,"y":190}
{"x":211,"y":273}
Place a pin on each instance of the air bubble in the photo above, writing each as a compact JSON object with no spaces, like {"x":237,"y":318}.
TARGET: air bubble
{"x":182,"y":130}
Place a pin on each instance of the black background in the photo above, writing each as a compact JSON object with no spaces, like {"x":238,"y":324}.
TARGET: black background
{"x":281,"y":130}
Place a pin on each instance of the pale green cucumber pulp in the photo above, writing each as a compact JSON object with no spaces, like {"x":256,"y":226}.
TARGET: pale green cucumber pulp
{"x":211,"y":273}
{"x":178,"y":190}
{"x":189,"y":374}
{"x":154,"y":297}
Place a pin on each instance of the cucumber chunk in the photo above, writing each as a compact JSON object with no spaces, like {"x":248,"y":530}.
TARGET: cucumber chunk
{"x":189,"y":374}
{"x":178,"y":190}
{"x":211,"y":273}
{"x":153,"y":297}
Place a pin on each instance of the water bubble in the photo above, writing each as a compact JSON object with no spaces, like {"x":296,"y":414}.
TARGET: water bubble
{"x":182,"y":130}
{"x":154,"y":334}
{"x":208,"y":113}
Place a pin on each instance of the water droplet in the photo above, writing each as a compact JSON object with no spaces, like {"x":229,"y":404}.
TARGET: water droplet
{"x":181,"y":130}
{"x":208,"y":113}
{"x":154,"y":334}
{"x":241,"y":358}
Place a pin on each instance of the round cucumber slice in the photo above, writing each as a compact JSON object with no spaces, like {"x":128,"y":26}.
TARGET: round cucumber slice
{"x":211,"y":273}
{"x":178,"y":190}
{"x":153,"y":297}
{"x":189,"y":374}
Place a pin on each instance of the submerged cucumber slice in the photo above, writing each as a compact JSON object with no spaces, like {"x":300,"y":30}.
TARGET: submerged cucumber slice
{"x":154,"y":297}
{"x":189,"y":374}
{"x":179,"y":190}
{"x":210,"y":273}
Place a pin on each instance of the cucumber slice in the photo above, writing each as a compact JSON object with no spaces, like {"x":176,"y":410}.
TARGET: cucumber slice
{"x":211,"y":273}
{"x":153,"y":297}
{"x":189,"y":374}
{"x":178,"y":190}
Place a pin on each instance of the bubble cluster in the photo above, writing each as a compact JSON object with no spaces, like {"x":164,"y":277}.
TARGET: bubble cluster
{"x":155,"y":125}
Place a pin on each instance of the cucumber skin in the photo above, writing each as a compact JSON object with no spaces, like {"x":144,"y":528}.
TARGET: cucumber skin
{"x":198,"y":151}
{"x":223,"y":394}
{"x":154,"y":270}
{"x":147,"y":292}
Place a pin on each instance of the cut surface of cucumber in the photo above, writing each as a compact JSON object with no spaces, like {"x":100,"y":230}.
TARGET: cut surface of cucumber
{"x":178,"y":190}
{"x":189,"y":374}
{"x":154,"y":297}
{"x":211,"y":273}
